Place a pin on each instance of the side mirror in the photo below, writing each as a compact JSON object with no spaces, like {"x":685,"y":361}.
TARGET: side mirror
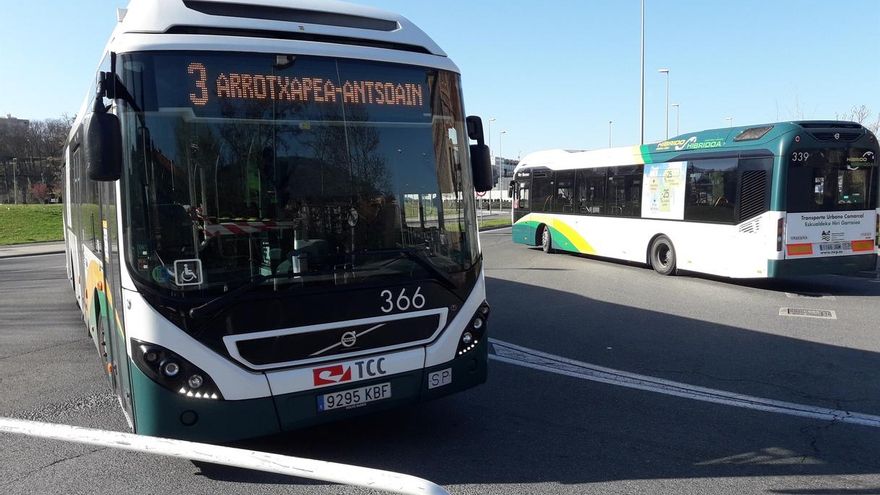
{"x":475,"y":129}
{"x":481,"y":161}
{"x":102,"y":140}
{"x":511,"y":188}
{"x":481,"y":167}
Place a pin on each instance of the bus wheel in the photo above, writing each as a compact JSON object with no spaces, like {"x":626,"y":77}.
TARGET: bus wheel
{"x":546,"y":240}
{"x":663,"y":256}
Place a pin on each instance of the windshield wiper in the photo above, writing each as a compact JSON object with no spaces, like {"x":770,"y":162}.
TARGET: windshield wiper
{"x":419,"y":257}
{"x":211,"y":307}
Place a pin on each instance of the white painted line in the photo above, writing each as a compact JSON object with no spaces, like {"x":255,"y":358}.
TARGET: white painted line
{"x":247,"y":459}
{"x":530,"y":358}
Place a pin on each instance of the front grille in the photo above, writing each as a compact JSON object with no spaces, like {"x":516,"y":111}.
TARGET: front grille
{"x":300,"y":346}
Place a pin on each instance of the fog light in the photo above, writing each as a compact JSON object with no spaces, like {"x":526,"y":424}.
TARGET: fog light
{"x":171,"y":369}
{"x":478,"y":323}
{"x":467,"y":338}
{"x":195,"y":381}
{"x":151,"y":356}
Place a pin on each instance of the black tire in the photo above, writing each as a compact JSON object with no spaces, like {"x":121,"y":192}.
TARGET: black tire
{"x":546,"y":240}
{"x":662,"y":256}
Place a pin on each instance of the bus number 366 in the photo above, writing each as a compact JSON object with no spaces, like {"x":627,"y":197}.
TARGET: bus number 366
{"x":402,"y":302}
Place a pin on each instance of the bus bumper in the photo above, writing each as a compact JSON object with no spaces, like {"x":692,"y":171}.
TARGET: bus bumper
{"x":299,"y":410}
{"x":838,"y":265}
{"x":162,"y":413}
{"x":525,"y":233}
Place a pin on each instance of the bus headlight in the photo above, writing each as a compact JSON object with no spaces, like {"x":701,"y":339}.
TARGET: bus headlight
{"x":173,"y":372}
{"x":170,"y":369}
{"x":195,"y":381}
{"x":475,"y":331}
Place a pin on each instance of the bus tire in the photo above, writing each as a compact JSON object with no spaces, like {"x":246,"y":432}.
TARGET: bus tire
{"x":546,"y":240}
{"x":662,"y":256}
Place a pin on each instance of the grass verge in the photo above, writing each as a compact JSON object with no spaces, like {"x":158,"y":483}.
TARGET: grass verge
{"x":494,"y":223}
{"x":30,"y":223}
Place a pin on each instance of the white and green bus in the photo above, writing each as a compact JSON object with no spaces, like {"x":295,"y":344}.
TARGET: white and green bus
{"x":271,"y":218}
{"x":774,"y":200}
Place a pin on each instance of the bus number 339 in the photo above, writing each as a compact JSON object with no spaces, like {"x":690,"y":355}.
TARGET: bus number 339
{"x":402,"y":302}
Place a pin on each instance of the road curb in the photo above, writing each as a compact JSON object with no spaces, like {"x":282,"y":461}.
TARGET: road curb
{"x":490,"y":229}
{"x":32,"y":249}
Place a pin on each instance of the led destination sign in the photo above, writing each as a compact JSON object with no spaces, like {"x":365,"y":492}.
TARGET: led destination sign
{"x":242,"y":86}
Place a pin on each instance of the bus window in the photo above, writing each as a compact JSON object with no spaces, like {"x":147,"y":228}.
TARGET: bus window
{"x":711,"y":191}
{"x":832,"y":180}
{"x":624,"y":194}
{"x":563,"y":201}
{"x":542,"y":191}
{"x":522,"y":195}
{"x":591,"y":191}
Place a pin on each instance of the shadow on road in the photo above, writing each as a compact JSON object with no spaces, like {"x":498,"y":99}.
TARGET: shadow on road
{"x":526,"y":426}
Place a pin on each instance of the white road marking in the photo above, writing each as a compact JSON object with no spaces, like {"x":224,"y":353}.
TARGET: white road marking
{"x":332,"y":472}
{"x":530,"y":358}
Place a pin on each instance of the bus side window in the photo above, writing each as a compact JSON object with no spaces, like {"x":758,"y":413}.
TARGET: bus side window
{"x":624,"y":196}
{"x":563,"y":201}
{"x":542,"y":191}
{"x":712,"y":187}
{"x":591,"y":184}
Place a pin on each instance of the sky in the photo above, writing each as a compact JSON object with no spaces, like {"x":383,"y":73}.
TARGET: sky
{"x":554,"y":73}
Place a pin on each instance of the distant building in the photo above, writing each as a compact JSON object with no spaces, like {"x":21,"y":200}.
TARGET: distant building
{"x":505,"y":167}
{"x":10,"y":123}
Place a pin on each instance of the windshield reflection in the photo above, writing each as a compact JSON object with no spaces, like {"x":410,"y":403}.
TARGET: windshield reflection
{"x":293,"y":191}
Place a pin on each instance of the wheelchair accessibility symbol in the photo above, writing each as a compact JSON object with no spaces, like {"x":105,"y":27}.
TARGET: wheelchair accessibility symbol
{"x":188,"y":272}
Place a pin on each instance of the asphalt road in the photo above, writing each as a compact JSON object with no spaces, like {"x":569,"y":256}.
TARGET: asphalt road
{"x":526,"y":431}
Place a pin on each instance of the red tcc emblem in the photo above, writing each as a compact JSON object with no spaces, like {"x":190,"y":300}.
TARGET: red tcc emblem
{"x":332,"y":375}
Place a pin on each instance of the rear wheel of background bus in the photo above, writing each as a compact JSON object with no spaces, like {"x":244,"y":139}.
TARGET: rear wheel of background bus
{"x":546,"y":239}
{"x":662,"y":256}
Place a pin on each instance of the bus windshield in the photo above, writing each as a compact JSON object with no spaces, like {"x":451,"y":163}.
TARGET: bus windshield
{"x":832,"y":179}
{"x":281,"y":169}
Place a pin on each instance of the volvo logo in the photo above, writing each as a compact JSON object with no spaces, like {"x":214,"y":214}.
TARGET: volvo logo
{"x":348,"y":339}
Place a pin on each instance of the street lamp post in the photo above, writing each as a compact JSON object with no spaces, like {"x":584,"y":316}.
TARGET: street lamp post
{"x":666,"y":71}
{"x":501,"y":162}
{"x":729,"y":121}
{"x":642,"y":99}
{"x":489,"y":135}
{"x":610,"y":133}
{"x":677,"y":118}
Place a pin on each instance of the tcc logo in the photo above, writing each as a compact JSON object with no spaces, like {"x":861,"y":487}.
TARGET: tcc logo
{"x":332,"y":375}
{"x":349,"y":372}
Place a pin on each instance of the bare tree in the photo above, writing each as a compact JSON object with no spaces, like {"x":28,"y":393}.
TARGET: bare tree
{"x":31,"y":153}
{"x":862,"y":114}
